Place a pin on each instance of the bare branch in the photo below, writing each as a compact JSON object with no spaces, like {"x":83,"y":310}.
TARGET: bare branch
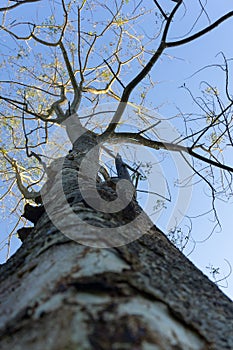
{"x":25,"y":192}
{"x":160,"y":9}
{"x":79,"y":47}
{"x":201,"y":32}
{"x":77,"y":92}
{"x":136,"y":138}
{"x":140,"y":76}
{"x":17,"y":3}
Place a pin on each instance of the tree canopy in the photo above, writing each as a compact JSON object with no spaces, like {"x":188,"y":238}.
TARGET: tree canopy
{"x":151,"y":78}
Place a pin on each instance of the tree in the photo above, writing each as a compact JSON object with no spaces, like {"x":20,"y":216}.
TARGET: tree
{"x":15,"y":4}
{"x":83,"y":60}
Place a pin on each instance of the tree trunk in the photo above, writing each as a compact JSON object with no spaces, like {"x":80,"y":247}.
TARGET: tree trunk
{"x":57,"y":294}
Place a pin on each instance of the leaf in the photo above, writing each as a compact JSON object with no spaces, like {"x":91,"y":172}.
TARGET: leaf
{"x":83,"y":3}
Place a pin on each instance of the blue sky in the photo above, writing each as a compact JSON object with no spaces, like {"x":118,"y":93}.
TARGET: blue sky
{"x":171,"y":72}
{"x":191,"y":58}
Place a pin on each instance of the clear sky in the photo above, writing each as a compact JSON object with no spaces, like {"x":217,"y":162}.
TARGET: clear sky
{"x":172,"y":71}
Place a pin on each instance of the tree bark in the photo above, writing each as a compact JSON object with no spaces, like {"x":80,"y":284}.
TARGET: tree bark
{"x":57,"y":294}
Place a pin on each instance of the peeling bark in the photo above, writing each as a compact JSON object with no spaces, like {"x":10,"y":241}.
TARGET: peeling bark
{"x":58,"y":294}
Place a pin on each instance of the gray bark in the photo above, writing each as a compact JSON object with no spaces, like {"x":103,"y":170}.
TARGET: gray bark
{"x":57,"y":294}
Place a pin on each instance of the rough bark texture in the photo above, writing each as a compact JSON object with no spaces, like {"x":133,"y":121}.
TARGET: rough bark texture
{"x":57,"y":294}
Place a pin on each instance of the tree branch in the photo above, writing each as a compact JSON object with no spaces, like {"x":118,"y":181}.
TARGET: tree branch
{"x":77,"y":92}
{"x":17,"y":3}
{"x":160,"y":9}
{"x":25,"y":192}
{"x":201,"y":32}
{"x":140,"y":76}
{"x":136,"y":138}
